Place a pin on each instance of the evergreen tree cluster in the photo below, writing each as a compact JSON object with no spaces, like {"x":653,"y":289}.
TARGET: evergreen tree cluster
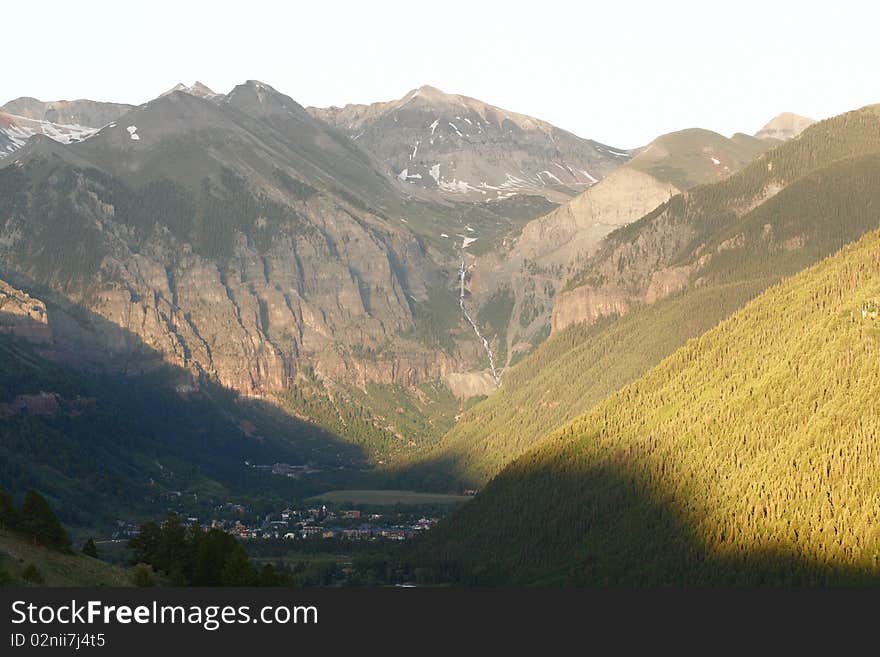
{"x":388,"y":421}
{"x":193,"y":556}
{"x":35,"y":519}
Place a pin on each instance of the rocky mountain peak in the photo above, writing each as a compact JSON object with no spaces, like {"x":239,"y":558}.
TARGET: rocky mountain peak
{"x":468,"y":149}
{"x":196,"y":89}
{"x":259,"y":99}
{"x":428,"y":94}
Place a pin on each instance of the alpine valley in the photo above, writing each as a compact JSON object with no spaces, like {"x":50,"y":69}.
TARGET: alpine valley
{"x":646,"y":366}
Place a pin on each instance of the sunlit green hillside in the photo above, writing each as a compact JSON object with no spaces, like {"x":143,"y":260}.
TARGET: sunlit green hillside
{"x":750,"y":455}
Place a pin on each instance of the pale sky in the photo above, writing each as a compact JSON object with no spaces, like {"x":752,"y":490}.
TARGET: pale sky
{"x":616,"y":71}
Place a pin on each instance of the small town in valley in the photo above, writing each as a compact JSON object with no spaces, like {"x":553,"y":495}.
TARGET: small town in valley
{"x":315,"y":521}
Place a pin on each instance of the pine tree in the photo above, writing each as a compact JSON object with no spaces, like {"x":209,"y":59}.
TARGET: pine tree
{"x":268,"y":577}
{"x":9,"y":516}
{"x":143,"y":576}
{"x":32,"y":575}
{"x":90,"y":549}
{"x":237,"y":569}
{"x":40,"y":523}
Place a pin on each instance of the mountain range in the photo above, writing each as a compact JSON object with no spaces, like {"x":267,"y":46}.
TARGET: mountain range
{"x":667,"y":278}
{"x":238,"y":236}
{"x":463,"y":147}
{"x":64,"y":121}
{"x":435,"y":293}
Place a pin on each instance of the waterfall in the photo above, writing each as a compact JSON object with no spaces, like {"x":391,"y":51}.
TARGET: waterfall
{"x":462,"y":272}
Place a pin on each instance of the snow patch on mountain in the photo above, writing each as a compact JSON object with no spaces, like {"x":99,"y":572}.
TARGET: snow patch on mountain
{"x":18,"y":129}
{"x":549,"y":175}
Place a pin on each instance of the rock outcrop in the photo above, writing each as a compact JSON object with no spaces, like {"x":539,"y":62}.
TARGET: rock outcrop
{"x":584,"y":305}
{"x":575,"y":228}
{"x":23,"y":316}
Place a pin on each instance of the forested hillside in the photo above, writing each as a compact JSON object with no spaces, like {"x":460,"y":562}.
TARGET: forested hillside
{"x":748,"y":456}
{"x":386,"y":422}
{"x":104,"y":447}
{"x":741,"y":246}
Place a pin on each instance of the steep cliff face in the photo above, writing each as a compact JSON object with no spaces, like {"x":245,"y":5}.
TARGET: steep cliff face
{"x":575,"y":228}
{"x":233,"y":236}
{"x":584,"y":305}
{"x":465,"y":148}
{"x":540,"y":260}
{"x":339,"y":299}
